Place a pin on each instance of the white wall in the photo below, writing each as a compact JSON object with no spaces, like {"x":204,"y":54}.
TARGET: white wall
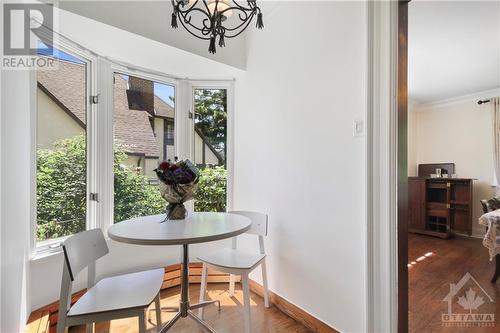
{"x":412,"y":140}
{"x":15,"y":196}
{"x":296,"y":157}
{"x":457,"y":131}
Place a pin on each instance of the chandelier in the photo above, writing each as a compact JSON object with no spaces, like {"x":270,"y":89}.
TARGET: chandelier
{"x":215,"y":19}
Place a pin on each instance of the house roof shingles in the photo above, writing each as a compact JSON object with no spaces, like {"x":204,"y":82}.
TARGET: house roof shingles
{"x":163,"y":109}
{"x":132,"y":129}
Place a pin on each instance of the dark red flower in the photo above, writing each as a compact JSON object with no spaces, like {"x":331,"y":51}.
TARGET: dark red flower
{"x":164,"y":166}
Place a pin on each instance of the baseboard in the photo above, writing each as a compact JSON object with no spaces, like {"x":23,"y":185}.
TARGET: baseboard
{"x":293,"y":311}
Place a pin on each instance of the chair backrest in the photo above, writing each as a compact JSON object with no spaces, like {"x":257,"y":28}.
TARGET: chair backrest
{"x":83,"y":249}
{"x":259,"y":221}
{"x":80,"y":250}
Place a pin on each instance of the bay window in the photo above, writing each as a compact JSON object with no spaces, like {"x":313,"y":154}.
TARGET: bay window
{"x":101,"y":130}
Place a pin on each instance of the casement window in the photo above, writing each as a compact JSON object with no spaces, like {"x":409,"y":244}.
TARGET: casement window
{"x":143,"y":109}
{"x":210,"y":146}
{"x":63,"y":117}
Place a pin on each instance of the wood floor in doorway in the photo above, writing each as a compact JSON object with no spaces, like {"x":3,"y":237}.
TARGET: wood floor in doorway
{"x":430,"y":279}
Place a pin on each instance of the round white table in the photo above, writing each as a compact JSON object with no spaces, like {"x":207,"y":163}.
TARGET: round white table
{"x":196,"y":228}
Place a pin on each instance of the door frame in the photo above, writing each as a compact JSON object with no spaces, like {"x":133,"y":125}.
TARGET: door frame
{"x":387,"y":96}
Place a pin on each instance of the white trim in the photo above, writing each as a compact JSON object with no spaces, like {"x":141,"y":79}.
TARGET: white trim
{"x":33,"y":160}
{"x":382,"y":264}
{"x":105,"y":154}
{"x":457,"y":99}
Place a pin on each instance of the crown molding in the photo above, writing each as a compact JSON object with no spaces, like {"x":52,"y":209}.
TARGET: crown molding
{"x":457,"y":99}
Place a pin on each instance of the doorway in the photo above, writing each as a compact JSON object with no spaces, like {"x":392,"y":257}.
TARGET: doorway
{"x":446,"y":170}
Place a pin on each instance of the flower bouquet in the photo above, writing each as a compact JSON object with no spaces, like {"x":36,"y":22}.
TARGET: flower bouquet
{"x":178,"y":182}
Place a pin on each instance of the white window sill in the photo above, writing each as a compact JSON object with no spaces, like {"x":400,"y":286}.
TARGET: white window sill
{"x":48,"y":248}
{"x":46,"y":253}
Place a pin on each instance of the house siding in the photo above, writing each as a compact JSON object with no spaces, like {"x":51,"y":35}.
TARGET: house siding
{"x":53,"y":122}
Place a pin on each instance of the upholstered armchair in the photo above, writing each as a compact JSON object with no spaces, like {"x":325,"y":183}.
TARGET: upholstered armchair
{"x":490,"y":204}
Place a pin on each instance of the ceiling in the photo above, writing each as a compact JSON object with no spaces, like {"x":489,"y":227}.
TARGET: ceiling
{"x":152,"y":19}
{"x":453,"y":48}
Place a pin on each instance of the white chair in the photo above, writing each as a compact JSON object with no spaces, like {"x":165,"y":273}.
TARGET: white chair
{"x":236,"y":262}
{"x":121,"y":296}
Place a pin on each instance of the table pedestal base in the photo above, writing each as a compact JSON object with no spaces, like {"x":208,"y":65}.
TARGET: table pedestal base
{"x":184,"y":309}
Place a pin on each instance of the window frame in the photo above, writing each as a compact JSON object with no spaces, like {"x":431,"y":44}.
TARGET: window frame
{"x":53,"y":245}
{"x":229,"y":87}
{"x":109,"y":140}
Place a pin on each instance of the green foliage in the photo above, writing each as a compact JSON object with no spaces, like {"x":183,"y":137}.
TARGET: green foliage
{"x":211,"y":193}
{"x":133,"y":195}
{"x":211,"y":116}
{"x":61,"y":190}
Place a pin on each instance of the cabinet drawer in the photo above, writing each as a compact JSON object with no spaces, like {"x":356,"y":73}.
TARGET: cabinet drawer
{"x":436,"y":206}
{"x":437,"y":213}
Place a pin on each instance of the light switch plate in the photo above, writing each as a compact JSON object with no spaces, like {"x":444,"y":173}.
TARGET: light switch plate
{"x":358,"y":128}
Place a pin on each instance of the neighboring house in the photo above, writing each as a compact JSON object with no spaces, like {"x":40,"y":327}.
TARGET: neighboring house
{"x":143,"y":123}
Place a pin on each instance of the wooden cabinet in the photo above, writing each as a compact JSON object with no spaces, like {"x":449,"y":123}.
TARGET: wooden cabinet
{"x":416,"y":204}
{"x":440,"y":206}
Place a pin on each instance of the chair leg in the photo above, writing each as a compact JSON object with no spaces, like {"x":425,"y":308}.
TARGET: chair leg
{"x":203,"y":288}
{"x":158,"y":312}
{"x":264,"y":283}
{"x":246,"y":302}
{"x":232,"y":280}
{"x":142,"y":321}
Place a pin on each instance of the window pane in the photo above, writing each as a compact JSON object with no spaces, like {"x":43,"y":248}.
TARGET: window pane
{"x":143,"y":130}
{"x":210,"y":135}
{"x":61,"y":147}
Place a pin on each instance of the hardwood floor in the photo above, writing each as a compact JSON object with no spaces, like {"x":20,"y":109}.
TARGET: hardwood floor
{"x":430,"y":279}
{"x":229,"y":319}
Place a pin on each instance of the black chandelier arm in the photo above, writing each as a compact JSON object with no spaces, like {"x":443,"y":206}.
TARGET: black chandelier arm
{"x":246,"y":23}
{"x":240,"y":9}
{"x":243,"y":23}
{"x":185,"y":17}
{"x":192,"y":33}
{"x":179,"y":4}
{"x":251,"y":4}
